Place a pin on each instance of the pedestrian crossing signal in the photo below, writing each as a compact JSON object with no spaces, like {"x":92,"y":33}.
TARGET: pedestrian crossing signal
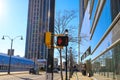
{"x":62,"y":40}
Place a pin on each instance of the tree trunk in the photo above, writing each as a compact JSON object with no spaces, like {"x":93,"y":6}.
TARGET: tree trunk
{"x":61,"y":65}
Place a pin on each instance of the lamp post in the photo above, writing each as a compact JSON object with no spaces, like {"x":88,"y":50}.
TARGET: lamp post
{"x":70,"y":72}
{"x":11,"y":49}
{"x":66,"y":34}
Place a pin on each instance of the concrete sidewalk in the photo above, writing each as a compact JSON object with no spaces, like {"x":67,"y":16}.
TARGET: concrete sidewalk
{"x":99,"y":77}
{"x":79,"y":76}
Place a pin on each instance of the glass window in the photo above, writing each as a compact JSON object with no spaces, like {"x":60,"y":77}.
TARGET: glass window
{"x":93,"y":11}
{"x":108,"y":64}
{"x":102,"y":25}
{"x":115,"y":8}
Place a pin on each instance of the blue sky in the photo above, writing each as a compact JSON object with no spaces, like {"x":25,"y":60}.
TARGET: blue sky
{"x":13,"y":21}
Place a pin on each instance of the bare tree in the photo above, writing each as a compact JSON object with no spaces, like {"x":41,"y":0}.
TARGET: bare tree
{"x":62,"y":21}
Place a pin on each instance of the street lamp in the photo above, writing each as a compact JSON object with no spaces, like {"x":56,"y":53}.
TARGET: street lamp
{"x":66,"y":34}
{"x":11,"y":49}
{"x":70,"y":72}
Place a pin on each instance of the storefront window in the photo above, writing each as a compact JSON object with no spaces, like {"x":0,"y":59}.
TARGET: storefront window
{"x":108,"y":64}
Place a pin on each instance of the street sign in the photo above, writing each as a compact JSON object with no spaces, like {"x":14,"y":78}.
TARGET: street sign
{"x":11,"y":52}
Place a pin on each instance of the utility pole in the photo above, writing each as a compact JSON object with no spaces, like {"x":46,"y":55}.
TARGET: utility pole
{"x":50,"y":60}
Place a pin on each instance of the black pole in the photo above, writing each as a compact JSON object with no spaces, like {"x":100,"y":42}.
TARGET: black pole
{"x":71,"y":69}
{"x":10,"y":57}
{"x":70,"y":66}
{"x":50,"y":58}
{"x":9,"y":64}
{"x":66,"y":63}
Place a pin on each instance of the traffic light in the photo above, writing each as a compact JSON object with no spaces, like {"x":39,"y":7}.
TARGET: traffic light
{"x":48,"y":38}
{"x":62,"y":40}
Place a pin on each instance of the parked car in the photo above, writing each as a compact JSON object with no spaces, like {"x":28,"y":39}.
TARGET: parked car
{"x":55,"y":71}
{"x":32,"y":70}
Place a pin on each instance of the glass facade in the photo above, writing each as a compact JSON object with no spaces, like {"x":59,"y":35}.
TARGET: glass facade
{"x":102,"y":25}
{"x":109,"y":39}
{"x":103,"y":46}
{"x":95,"y":3}
{"x":85,"y":31}
{"x":109,"y":63}
{"x":105,"y":56}
{"x":115,"y":8}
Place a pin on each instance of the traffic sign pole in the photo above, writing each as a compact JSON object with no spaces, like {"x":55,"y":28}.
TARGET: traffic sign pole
{"x":49,"y":73}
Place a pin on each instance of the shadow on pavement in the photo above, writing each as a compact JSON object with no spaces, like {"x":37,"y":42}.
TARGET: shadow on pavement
{"x":26,"y":79}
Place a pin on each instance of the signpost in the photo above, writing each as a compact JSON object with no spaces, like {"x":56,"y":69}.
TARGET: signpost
{"x":49,"y":73}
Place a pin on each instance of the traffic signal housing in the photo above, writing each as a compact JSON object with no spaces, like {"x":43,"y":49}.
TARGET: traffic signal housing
{"x":62,"y":40}
{"x":48,"y":38}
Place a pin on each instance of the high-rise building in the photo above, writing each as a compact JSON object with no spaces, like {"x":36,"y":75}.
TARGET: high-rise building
{"x":101,"y":22}
{"x":37,"y":24}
